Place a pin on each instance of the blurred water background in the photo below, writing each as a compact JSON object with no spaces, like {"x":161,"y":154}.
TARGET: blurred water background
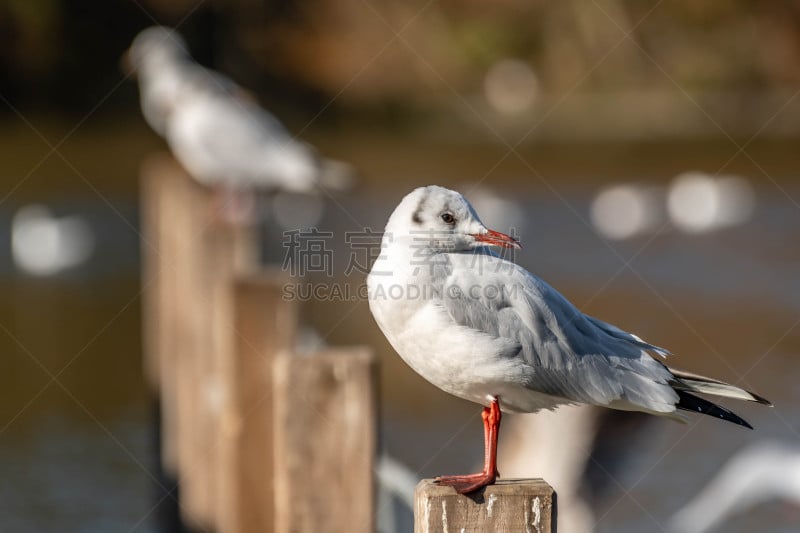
{"x":411,"y":94}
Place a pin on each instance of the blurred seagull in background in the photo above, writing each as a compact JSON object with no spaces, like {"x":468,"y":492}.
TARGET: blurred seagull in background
{"x":217,"y":131}
{"x":762,"y":472}
{"x":484,"y":329}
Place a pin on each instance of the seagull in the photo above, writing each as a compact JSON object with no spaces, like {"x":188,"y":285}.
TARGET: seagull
{"x":764,"y":471}
{"x":215,"y":129}
{"x":482,"y":328}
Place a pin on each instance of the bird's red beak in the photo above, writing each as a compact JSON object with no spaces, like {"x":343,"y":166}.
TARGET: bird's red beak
{"x":495,"y":238}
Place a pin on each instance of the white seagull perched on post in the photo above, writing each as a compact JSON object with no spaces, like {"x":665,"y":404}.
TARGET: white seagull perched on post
{"x":215,"y":129}
{"x":484,"y":329}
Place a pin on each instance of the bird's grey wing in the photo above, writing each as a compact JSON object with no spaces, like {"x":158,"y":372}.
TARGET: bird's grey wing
{"x":571,"y":355}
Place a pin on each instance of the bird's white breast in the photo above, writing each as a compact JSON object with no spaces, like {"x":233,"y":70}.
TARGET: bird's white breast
{"x":459,"y":360}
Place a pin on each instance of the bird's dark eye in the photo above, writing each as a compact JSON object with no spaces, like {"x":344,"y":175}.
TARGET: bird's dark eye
{"x":448,"y":218}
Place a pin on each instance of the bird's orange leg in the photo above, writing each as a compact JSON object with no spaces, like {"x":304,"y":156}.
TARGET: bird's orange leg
{"x":234,"y":207}
{"x":472,"y":482}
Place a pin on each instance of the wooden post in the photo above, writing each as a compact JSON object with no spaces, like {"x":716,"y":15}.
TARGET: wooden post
{"x":189,"y":330}
{"x":171,"y":251}
{"x":165,"y":222}
{"x":509,"y":505}
{"x":265,"y":326}
{"x":152,"y":192}
{"x":325,"y":415}
{"x":159,"y":323}
{"x":216,"y":248}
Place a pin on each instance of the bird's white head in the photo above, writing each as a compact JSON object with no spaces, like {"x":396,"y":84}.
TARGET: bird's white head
{"x":444,"y":220}
{"x":155,"y":47}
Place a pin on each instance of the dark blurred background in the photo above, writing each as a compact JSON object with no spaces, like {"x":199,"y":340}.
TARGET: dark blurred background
{"x":540,"y":107}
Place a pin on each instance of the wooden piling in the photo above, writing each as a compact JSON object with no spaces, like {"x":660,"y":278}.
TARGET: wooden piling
{"x":508,"y":505}
{"x":190,"y":261}
{"x":265,"y":326}
{"x":151,"y":195}
{"x":216,"y":249}
{"x":158,"y":190}
{"x":325,"y":436}
{"x":166,"y":220}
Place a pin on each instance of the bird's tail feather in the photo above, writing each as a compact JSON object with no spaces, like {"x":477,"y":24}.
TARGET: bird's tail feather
{"x":688,"y":382}
{"x":337,"y":175}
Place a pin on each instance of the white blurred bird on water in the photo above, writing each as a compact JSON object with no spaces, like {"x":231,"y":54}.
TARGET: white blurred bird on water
{"x":695,"y":203}
{"x":699,"y":202}
{"x":43,"y":244}
{"x":759,"y":473}
{"x":215,"y":130}
{"x":484,"y":329}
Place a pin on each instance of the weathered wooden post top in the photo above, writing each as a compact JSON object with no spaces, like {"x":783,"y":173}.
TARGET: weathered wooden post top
{"x":525,"y":505}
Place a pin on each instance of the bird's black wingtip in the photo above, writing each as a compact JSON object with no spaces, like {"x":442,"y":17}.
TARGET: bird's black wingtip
{"x":690,"y":402}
